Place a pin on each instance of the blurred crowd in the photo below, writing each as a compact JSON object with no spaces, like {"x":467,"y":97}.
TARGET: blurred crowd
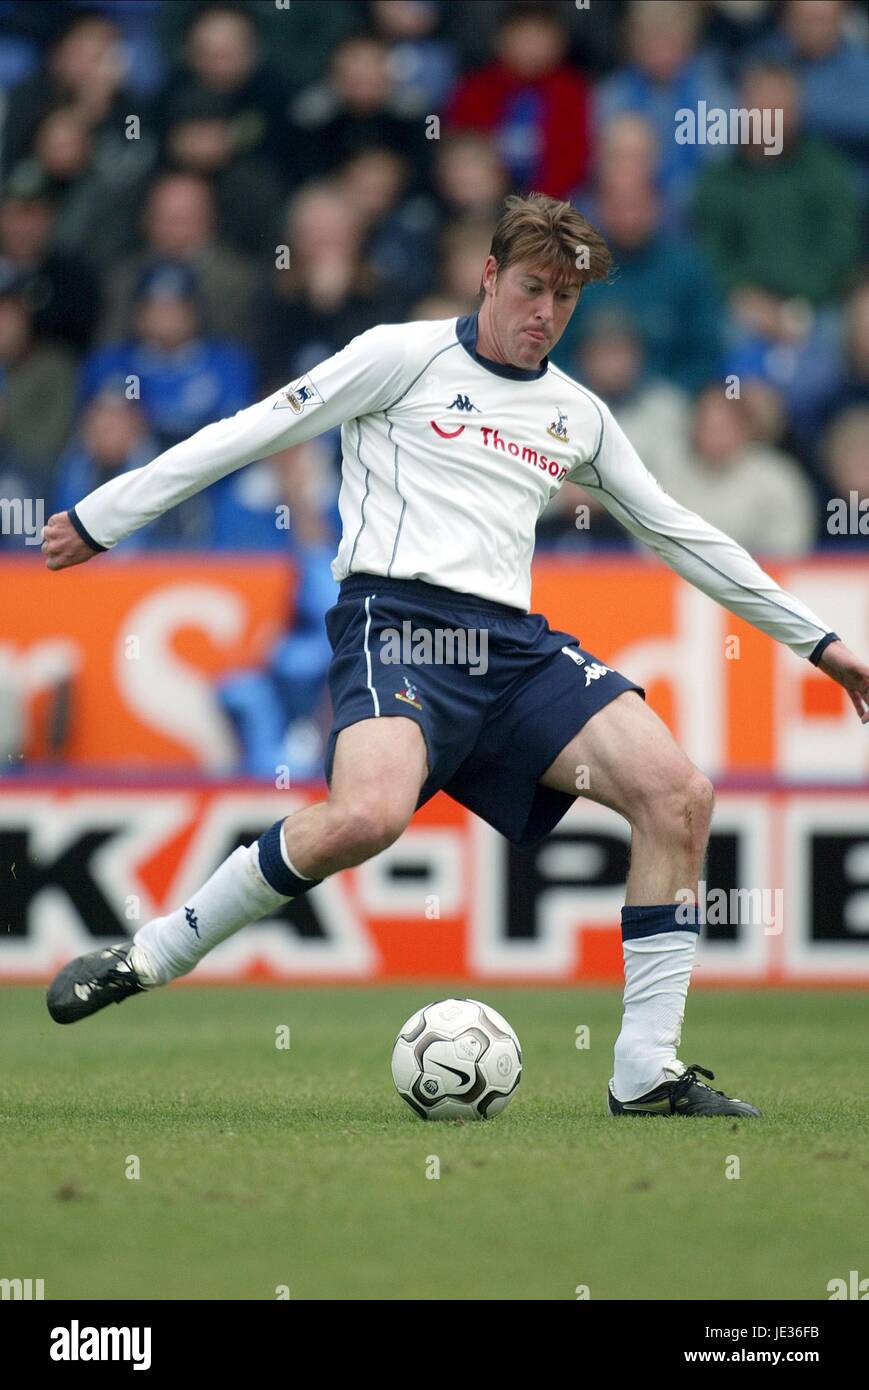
{"x":200,"y":201}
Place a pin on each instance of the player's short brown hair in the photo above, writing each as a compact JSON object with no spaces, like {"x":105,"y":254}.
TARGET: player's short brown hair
{"x":550,"y":235}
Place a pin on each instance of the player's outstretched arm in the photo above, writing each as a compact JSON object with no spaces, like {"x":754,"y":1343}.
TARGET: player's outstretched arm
{"x":842,"y":665}
{"x":712,"y":561}
{"x":363,"y":378}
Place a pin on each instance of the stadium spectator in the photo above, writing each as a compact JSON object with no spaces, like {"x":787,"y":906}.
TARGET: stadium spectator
{"x":398,"y":230}
{"x":654,"y":414}
{"x":354,"y":109}
{"x":299,"y":38}
{"x":845,"y":455}
{"x":666,"y":71}
{"x":462,"y":246}
{"x":179,"y":224}
{"x":184,"y":380}
{"x":38,"y":383}
{"x":327,"y":294}
{"x":846,"y":383}
{"x":627,"y":152}
{"x":779,"y":228}
{"x":667,"y":286}
{"x":628,"y":148}
{"x":112,"y":436}
{"x":63,"y":290}
{"x":737,"y":484}
{"x":733,"y":26}
{"x":468,"y":178}
{"x":19,"y":44}
{"x":223,"y":64}
{"x":285,"y":503}
{"x":84,"y":71}
{"x":767,"y":411}
{"x":423,"y":62}
{"x":202,"y":140}
{"x":593,"y":33}
{"x":436,"y":306}
{"x":84,"y":185}
{"x":832,"y":69}
{"x":280,"y":712}
{"x":531,"y":102}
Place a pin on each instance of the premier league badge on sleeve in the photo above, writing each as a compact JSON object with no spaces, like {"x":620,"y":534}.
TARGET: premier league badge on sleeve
{"x":298,"y":396}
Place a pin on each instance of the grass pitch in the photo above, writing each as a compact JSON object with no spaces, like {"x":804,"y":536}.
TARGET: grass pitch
{"x":262,"y":1168}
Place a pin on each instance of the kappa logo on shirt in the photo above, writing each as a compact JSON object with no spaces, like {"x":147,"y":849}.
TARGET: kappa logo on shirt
{"x":460,"y":403}
{"x":298,"y":395}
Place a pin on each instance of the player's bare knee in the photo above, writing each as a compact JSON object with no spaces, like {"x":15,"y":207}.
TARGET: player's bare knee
{"x":367,"y":826}
{"x":694,"y":802}
{"x":676,"y":807}
{"x":699,"y":799}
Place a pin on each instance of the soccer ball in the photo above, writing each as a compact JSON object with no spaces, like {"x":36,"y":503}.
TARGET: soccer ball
{"x":456,"y":1059}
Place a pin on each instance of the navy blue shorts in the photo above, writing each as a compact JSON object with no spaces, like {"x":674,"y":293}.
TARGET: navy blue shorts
{"x":490,"y":735}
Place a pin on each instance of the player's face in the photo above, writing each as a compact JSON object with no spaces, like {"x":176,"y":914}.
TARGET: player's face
{"x":525,"y":312}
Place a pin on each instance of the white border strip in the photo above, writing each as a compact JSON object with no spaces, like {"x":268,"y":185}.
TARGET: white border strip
{"x":368,"y":599}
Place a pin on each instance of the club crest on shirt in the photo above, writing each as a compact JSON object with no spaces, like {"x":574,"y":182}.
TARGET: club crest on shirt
{"x":558,"y":428}
{"x":298,"y":395}
{"x":408,"y":695}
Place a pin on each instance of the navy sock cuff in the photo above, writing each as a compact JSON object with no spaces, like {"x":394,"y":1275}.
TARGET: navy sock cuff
{"x":275,"y":871}
{"x":651,"y":921}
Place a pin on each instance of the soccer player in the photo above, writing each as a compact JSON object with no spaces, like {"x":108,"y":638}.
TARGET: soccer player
{"x":455,"y":435}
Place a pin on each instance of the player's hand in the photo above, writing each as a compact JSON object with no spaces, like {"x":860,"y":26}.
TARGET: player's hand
{"x":62,"y":545}
{"x":840,"y":663}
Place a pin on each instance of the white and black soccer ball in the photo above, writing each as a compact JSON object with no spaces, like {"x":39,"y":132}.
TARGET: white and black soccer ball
{"x":456,"y":1059}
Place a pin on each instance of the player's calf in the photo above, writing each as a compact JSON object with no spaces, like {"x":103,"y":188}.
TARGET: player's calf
{"x":368,"y":808}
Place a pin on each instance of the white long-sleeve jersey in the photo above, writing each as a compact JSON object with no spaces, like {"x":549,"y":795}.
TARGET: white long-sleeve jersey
{"x":448,"y":461}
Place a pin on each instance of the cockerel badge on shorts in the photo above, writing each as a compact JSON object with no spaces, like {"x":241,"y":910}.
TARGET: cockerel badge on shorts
{"x":408,"y":695}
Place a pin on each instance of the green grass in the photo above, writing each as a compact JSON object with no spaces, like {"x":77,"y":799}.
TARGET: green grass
{"x":262,"y":1167}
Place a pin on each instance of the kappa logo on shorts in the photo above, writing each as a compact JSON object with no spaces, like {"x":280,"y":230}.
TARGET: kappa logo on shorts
{"x":408,"y":695}
{"x":593,"y":671}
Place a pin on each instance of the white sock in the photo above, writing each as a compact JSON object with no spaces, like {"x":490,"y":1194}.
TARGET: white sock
{"x":657,"y":974}
{"x":235,"y":895}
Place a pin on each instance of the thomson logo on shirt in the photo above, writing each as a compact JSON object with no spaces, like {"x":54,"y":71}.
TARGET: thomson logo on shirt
{"x":77,"y":1343}
{"x":436,"y":646}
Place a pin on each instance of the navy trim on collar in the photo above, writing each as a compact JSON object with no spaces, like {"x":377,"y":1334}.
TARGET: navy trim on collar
{"x":466,"y":332}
